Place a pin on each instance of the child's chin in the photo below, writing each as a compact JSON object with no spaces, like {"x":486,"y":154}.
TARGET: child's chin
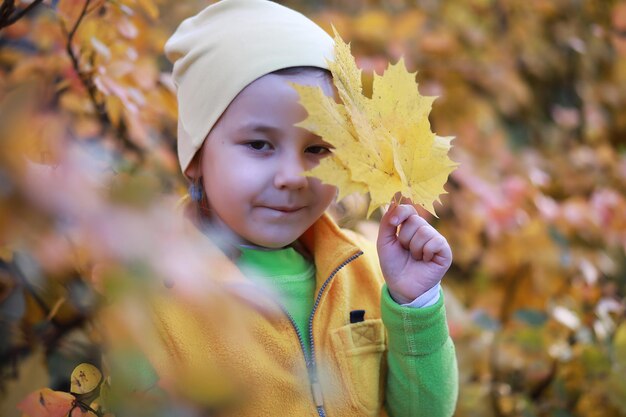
{"x":273,"y":242}
{"x":276,"y":237}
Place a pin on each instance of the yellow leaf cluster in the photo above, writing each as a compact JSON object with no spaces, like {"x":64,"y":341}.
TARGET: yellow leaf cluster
{"x":383,"y":144}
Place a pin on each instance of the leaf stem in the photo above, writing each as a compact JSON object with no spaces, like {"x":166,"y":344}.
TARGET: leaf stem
{"x":83,"y":406}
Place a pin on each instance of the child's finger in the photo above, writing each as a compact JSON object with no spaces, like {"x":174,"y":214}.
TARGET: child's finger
{"x":412,"y":225}
{"x":401,"y":213}
{"x":437,"y":246}
{"x":387,"y":230}
{"x":420,"y":238}
{"x":395,"y":216}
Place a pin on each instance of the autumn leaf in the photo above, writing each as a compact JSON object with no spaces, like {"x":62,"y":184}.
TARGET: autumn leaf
{"x":383,"y":144}
{"x":85,"y":379}
{"x":47,"y":403}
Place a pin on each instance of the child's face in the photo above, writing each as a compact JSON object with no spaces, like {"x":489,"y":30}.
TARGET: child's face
{"x":253,"y":159}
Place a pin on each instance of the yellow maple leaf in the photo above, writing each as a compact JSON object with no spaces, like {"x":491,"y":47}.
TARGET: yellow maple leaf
{"x":383,"y":144}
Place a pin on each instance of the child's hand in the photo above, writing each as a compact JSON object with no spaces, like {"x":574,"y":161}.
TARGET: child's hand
{"x":414,"y":258}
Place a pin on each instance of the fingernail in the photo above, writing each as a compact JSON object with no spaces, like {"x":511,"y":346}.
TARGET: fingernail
{"x":394,"y":221}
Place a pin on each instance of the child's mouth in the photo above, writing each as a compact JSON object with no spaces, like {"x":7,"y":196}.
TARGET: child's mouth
{"x":285,"y":209}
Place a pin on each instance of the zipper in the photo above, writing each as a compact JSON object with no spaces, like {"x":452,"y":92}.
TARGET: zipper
{"x":311,"y":366}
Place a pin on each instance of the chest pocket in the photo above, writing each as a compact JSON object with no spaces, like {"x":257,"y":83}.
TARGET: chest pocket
{"x":359,"y":349}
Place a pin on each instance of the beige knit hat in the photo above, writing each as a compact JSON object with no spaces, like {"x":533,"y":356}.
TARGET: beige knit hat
{"x":225,"y":47}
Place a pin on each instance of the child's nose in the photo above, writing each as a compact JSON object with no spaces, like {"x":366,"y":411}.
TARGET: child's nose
{"x":289,"y":174}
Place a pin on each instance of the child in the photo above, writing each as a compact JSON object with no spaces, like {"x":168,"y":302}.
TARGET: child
{"x":363,"y":329}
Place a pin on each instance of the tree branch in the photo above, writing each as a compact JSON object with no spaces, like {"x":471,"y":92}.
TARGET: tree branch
{"x":80,"y":18}
{"x":7,"y":9}
{"x":494,"y":352}
{"x":85,"y":407}
{"x":87,"y":82}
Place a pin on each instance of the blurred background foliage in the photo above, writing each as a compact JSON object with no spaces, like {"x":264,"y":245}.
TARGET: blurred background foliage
{"x":533,"y":90}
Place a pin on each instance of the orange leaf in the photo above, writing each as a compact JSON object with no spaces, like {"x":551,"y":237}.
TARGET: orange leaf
{"x":69,"y":10}
{"x":47,"y":403}
{"x":150,"y":8}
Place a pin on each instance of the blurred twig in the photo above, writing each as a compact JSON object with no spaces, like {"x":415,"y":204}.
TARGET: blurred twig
{"x":85,"y":407}
{"x":23,"y":282}
{"x":504,"y":316}
{"x":52,"y":332}
{"x":9,"y":14}
{"x":544,"y":384}
{"x":85,"y":78}
{"x":503,"y":18}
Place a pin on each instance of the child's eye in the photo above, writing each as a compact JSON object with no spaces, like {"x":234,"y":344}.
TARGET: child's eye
{"x":318,"y":150}
{"x":259,"y":145}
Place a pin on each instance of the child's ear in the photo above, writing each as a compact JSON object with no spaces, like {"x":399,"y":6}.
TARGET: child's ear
{"x":193,"y":169}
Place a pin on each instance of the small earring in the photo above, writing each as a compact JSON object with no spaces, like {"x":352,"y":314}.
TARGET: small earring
{"x":196,"y":191}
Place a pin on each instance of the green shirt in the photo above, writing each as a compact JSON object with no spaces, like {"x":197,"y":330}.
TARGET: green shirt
{"x":290,"y":276}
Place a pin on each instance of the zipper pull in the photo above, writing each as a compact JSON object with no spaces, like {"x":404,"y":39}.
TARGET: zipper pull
{"x":316,"y":390}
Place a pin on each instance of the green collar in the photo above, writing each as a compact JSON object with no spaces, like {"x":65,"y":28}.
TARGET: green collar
{"x":274,"y":263}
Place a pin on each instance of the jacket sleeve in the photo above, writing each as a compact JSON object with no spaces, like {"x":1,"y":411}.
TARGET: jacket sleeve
{"x":422,"y":377}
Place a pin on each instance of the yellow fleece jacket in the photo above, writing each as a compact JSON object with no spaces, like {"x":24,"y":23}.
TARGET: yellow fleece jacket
{"x":262,"y":369}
